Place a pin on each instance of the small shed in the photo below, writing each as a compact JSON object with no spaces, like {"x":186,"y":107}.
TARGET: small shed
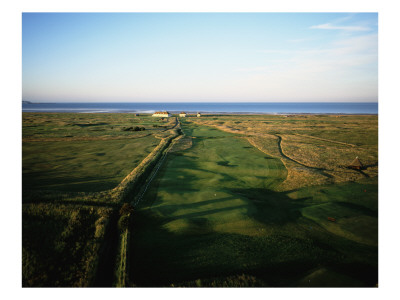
{"x":198,"y":115}
{"x":182,"y":114}
{"x":356,"y":164}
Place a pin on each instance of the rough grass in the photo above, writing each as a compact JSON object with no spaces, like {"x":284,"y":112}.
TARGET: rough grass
{"x":61,"y":152}
{"x":87,"y":166}
{"x":61,"y":244}
{"x":74,"y":126}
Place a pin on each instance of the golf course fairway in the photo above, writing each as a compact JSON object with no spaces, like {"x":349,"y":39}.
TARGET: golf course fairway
{"x":213,"y":217}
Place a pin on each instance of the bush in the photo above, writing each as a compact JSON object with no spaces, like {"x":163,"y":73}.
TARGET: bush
{"x":123,"y":222}
{"x":126,"y":209}
{"x":137,"y":128}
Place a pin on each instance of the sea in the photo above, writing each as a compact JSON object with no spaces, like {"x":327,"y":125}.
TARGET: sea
{"x":207,"y":107}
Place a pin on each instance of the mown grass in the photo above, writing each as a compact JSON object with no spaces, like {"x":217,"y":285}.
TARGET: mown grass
{"x":215,"y":213}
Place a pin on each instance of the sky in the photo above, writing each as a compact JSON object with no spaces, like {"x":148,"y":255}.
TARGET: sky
{"x":173,"y":57}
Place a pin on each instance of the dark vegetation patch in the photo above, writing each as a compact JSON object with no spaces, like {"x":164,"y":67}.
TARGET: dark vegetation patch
{"x":89,"y":124}
{"x":225,"y":164}
{"x":136,"y":128}
{"x":268,"y":260}
{"x":59,"y":245}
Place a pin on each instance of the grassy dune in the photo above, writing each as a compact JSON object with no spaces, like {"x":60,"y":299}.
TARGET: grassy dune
{"x":214,"y":216}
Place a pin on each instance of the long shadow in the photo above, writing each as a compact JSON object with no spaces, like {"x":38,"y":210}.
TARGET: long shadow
{"x":364,"y":210}
{"x":173,"y":207}
{"x":204,"y":213}
{"x":273,"y":208}
{"x":361,"y":172}
{"x":160,"y":257}
{"x":371,"y":165}
{"x":163,"y":258}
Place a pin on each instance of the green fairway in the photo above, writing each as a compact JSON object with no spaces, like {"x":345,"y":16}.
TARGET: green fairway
{"x":207,"y":181}
{"x":213,"y":212}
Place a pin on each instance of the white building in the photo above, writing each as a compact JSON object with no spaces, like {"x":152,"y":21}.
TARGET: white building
{"x":182,"y":114}
{"x":198,"y":115}
{"x":161,"y":114}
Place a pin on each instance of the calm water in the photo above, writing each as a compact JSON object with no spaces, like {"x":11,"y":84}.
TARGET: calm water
{"x":237,"y":107}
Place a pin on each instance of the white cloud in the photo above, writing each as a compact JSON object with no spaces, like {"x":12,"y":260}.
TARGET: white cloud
{"x":343,"y":69}
{"x":334,"y":27}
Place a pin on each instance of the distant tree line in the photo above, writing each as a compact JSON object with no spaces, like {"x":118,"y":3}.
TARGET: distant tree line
{"x":136,"y":128}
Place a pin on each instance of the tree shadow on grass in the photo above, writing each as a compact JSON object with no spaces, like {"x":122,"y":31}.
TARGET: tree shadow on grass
{"x":272,"y":207}
{"x":172,"y":208}
{"x":161,"y":258}
{"x":225,"y":164}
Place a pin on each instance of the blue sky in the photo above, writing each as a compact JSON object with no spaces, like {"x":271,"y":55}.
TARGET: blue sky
{"x":138,"y":57}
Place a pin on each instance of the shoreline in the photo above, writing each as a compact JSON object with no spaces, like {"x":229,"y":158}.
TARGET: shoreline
{"x":288,"y":114}
{"x":233,"y":108}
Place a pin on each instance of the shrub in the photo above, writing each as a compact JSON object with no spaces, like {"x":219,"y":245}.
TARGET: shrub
{"x":100,"y":224}
{"x":126,"y":209}
{"x":123,"y":222}
{"x":137,"y":128}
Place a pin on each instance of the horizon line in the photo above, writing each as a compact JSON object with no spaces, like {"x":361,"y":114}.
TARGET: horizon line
{"x":39,"y":102}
